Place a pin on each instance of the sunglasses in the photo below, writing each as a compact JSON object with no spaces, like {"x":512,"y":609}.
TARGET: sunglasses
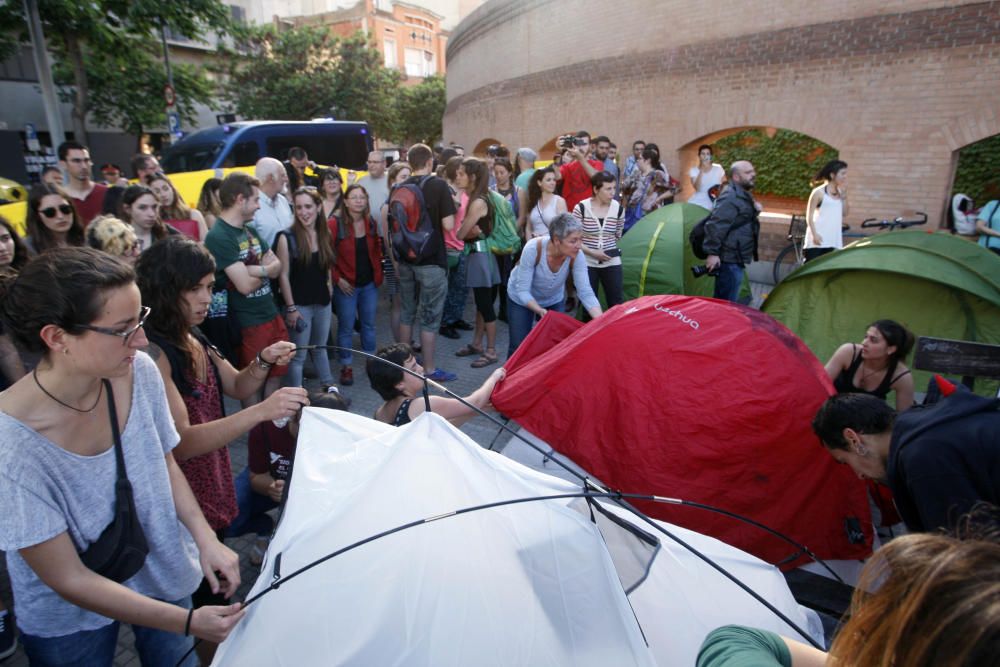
{"x":50,"y":212}
{"x":124,"y":335}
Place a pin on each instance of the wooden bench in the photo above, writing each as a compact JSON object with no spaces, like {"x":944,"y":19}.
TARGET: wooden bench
{"x":958,"y":357}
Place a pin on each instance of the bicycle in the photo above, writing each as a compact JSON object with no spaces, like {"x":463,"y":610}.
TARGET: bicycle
{"x":793,"y":255}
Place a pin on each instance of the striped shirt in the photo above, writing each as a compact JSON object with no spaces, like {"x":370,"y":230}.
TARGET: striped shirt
{"x":600,"y":236}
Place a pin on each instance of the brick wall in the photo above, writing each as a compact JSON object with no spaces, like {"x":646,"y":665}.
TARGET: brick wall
{"x":897,"y":86}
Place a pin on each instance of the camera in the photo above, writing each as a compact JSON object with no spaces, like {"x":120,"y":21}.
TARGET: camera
{"x":699,"y":271}
{"x":566,"y":141}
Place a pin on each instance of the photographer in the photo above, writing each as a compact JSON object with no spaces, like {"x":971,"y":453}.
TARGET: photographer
{"x":731,"y":232}
{"x":576,"y":170}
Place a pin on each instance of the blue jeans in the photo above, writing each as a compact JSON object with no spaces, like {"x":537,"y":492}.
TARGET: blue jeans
{"x":96,"y":648}
{"x":254,"y":508}
{"x":317,"y":319}
{"x":728,"y":282}
{"x":520,"y":321}
{"x":454,"y":303}
{"x":364,"y":300}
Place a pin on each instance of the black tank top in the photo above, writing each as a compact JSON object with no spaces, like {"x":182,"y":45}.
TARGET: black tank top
{"x":403,"y":413}
{"x":844,"y":384}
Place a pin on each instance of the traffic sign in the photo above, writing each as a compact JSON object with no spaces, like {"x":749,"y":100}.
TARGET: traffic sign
{"x":169,"y":95}
{"x":31,"y":137}
{"x":174,"y":122}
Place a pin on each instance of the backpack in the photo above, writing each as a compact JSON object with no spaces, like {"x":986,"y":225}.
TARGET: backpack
{"x":503,"y":239}
{"x":411,"y":229}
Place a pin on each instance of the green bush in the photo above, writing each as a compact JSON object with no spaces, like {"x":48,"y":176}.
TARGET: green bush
{"x":977,"y":174}
{"x":785,"y":164}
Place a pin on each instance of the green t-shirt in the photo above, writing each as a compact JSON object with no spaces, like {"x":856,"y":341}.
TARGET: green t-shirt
{"x":230,"y":245}
{"x":740,"y":646}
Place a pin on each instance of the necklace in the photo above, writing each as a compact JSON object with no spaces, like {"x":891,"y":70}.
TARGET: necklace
{"x":865,"y":376}
{"x":34,"y":374}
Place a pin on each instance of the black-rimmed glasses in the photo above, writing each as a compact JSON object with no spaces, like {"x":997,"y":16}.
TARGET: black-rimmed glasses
{"x":124,"y":335}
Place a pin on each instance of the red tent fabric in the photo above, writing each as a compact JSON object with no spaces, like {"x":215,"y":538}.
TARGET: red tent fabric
{"x":697,"y":399}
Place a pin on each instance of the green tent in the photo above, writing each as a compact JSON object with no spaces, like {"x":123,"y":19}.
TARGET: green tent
{"x":657,"y":257}
{"x":936,"y":284}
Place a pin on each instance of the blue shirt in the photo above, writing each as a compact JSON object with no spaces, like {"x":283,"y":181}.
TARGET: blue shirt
{"x":533,"y":280}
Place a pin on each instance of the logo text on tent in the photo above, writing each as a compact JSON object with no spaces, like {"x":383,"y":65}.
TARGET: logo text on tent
{"x":679,"y":315}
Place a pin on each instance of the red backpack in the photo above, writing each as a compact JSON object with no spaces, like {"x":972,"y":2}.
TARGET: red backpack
{"x":410,"y":224}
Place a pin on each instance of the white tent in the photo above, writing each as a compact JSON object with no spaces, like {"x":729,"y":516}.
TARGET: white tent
{"x":533,"y":583}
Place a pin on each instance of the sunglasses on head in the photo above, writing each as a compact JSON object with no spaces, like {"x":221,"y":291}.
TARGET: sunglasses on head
{"x":50,"y":212}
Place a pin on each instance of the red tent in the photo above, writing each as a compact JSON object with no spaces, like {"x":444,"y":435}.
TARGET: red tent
{"x":697,"y":399}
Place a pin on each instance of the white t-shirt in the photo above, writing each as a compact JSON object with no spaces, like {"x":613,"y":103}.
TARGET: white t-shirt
{"x":829,"y":221}
{"x":708,"y":181}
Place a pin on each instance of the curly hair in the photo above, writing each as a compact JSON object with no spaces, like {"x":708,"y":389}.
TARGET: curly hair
{"x":164,"y":272}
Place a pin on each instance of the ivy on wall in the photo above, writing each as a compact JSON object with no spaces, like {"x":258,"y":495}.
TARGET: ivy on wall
{"x":977,"y":174}
{"x":785,"y":163}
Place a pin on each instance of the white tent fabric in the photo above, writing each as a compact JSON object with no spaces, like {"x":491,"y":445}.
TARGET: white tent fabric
{"x":526,"y":584}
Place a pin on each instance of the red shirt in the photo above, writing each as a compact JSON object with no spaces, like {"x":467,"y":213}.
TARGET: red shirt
{"x":576,"y":182}
{"x":90,"y":208}
{"x":270,"y":450}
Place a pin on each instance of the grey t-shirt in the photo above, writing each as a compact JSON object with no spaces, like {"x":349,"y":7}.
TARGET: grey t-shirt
{"x":377,"y":189}
{"x":46,"y":490}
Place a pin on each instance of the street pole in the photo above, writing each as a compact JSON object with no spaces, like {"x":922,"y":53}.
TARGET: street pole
{"x":170,"y":100}
{"x":44,"y":68}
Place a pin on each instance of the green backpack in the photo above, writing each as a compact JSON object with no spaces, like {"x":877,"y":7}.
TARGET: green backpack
{"x":503,"y":240}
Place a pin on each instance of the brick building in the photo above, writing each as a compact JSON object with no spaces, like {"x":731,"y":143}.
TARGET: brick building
{"x":896,"y":86}
{"x":410,"y":37}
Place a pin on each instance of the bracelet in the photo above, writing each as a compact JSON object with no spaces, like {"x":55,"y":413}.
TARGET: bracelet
{"x":187,"y":625}
{"x":263,"y":364}
{"x":291,"y":309}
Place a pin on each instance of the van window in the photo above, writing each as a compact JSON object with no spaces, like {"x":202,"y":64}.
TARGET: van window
{"x":348,"y":150}
{"x":244,"y":154}
{"x":190,"y":158}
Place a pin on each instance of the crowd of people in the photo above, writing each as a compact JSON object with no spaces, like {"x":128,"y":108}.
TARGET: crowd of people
{"x":126,"y":315}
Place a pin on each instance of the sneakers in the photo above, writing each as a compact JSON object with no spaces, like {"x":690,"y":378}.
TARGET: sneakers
{"x":441,"y":376}
{"x":7,"y":642}
{"x":258,"y":550}
{"x":347,"y":376}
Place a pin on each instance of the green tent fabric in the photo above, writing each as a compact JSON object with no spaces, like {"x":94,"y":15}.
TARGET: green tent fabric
{"x":657,"y":257}
{"x":936,"y":284}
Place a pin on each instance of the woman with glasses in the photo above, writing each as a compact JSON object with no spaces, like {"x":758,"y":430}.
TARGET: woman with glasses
{"x":96,"y":397}
{"x":174,"y":211}
{"x":52,"y":220}
{"x":306,"y":255}
{"x":141,"y":209}
{"x":175,"y":278}
{"x":331,"y":189}
{"x":357,"y":273}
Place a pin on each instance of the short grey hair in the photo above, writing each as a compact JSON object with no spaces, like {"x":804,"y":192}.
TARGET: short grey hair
{"x":563,"y":225}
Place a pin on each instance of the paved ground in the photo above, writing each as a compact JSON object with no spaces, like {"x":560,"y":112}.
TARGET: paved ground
{"x":364,"y":402}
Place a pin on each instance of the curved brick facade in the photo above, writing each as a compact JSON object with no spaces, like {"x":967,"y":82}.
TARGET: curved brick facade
{"x":897,"y":86}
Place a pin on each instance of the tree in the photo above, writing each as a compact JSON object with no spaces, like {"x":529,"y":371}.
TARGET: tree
{"x":421,"y":111}
{"x":97,"y":37}
{"x":307,"y":72}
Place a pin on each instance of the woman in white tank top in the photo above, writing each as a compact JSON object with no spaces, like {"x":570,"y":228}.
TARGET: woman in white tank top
{"x":826,"y":210}
{"x":543,"y":204}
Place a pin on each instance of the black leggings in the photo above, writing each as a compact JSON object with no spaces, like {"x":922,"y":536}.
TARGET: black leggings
{"x":484,"y":298}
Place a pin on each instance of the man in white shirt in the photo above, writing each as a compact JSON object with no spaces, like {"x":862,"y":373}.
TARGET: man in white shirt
{"x":375,"y":182}
{"x":275,"y":213}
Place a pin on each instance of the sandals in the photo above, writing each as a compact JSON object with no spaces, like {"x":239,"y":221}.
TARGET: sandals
{"x":468,"y":351}
{"x":485,"y":360}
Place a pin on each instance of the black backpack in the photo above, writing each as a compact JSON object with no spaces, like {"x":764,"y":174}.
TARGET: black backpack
{"x":697,"y":236}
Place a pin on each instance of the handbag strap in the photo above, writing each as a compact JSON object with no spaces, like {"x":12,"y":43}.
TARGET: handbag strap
{"x":113,"y":414}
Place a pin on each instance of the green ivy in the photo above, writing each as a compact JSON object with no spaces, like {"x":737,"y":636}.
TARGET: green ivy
{"x":977,"y":174}
{"x":785,"y":164}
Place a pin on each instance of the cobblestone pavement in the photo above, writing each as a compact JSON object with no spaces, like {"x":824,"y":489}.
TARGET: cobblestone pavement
{"x":364,"y":401}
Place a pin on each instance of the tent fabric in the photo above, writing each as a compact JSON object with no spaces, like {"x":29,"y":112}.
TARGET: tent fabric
{"x":697,"y":399}
{"x":526,"y":584}
{"x":936,"y":284}
{"x":657,"y":256}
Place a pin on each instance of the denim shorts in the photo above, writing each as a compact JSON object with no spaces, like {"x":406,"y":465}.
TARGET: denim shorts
{"x":432,"y":281}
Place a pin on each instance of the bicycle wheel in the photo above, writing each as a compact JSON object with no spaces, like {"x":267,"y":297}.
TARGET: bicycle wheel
{"x":786,"y":262}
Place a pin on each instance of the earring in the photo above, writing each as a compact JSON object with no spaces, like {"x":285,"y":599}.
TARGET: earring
{"x":66,"y":351}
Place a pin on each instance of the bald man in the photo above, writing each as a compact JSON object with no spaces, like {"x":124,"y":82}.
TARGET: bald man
{"x":731,"y":232}
{"x":275,"y":213}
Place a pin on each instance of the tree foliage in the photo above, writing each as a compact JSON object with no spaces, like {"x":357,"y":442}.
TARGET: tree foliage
{"x":785,"y":163}
{"x":307,"y":72}
{"x":421,"y":110}
{"x":96,"y":38}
